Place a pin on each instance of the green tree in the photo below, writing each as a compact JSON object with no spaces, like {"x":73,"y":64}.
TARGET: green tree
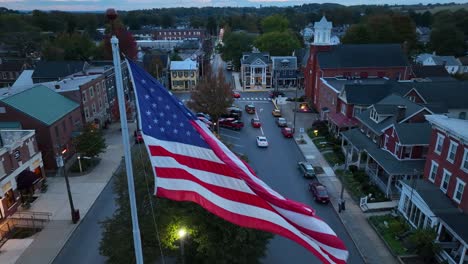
{"x":75,"y":46}
{"x":447,"y":40}
{"x":423,"y":242}
{"x":211,"y":26}
{"x":357,"y":34}
{"x":91,"y":141}
{"x":274,"y":23}
{"x":210,"y":239}
{"x":234,"y":45}
{"x":212,"y":95}
{"x":278,"y":43}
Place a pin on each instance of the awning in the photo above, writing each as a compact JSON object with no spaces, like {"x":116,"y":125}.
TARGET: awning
{"x":26,"y":179}
{"x":341,"y":120}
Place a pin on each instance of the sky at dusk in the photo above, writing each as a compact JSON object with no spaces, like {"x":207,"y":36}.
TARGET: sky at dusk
{"x":101,"y":5}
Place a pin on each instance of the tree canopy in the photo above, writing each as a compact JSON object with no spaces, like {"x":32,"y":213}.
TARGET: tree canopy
{"x":235,"y":43}
{"x":66,"y":46}
{"x":209,"y":239}
{"x":91,"y":141}
{"x":212,"y":95}
{"x":278,"y":43}
{"x":275,"y":23}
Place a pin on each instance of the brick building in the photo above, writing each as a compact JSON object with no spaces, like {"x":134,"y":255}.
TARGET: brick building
{"x":439,"y":200}
{"x":54,"y":117}
{"x":179,"y":34}
{"x":348,"y":61}
{"x":21,"y":168}
{"x":10,"y":70}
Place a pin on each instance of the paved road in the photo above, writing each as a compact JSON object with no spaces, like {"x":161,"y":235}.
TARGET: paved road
{"x":276,"y":165}
{"x":83,"y":245}
{"x":218,"y":63}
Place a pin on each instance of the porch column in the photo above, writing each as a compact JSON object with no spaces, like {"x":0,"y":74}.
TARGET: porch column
{"x":342,"y":142}
{"x":351,"y":156}
{"x":252,"y":77}
{"x":263,"y":76}
{"x":389,"y":184}
{"x":462,"y":257}
{"x":367,"y":161}
{"x":359,"y":159}
{"x":439,"y":230}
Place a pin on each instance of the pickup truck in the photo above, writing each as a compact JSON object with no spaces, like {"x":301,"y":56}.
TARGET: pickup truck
{"x":231,"y":123}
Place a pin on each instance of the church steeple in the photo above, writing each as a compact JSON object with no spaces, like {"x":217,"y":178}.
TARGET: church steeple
{"x":322,"y":32}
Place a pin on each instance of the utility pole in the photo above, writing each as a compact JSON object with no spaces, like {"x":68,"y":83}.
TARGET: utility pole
{"x":341,"y":205}
{"x":75,"y":214}
{"x":295,"y":111}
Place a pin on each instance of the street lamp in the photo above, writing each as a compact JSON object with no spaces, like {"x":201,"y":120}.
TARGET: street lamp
{"x":182,"y":233}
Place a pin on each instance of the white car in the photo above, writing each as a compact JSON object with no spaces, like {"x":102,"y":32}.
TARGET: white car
{"x":262,"y":142}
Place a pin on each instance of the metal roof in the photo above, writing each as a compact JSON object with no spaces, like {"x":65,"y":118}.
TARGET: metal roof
{"x":41,"y":103}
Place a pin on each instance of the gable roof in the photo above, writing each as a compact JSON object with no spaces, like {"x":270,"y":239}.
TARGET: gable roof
{"x":386,"y":105}
{"x":187,"y":64}
{"x":421,"y":71}
{"x":362,"y":56}
{"x":284,"y":62}
{"x":42,"y":104}
{"x":446,"y":60}
{"x":57,"y":69}
{"x":413,"y":133}
{"x":253,"y":56}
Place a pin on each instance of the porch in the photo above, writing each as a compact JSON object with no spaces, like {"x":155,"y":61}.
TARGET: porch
{"x":452,"y":236}
{"x":383,"y":168}
{"x":339,"y":123}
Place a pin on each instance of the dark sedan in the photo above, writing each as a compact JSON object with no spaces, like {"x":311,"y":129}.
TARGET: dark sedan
{"x":319,"y":191}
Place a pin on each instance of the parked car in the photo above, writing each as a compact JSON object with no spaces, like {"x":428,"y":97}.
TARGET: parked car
{"x":206,"y":116}
{"x":276,"y":94}
{"x":236,"y":94}
{"x":250,"y":109}
{"x":306,"y":169}
{"x":276,"y":112}
{"x":287,"y":132}
{"x":255,"y":122}
{"x":138,"y":137}
{"x":262,"y":142}
{"x":207,"y":122}
{"x":231,"y":123}
{"x":319,"y":191}
{"x":233,"y":112}
{"x":281,"y":122}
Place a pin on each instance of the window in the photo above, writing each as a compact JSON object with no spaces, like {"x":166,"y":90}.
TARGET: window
{"x":407,"y":152}
{"x":464,"y":163}
{"x":439,"y":143}
{"x":458,"y":194}
{"x":86,"y":111}
{"x":192,"y":74}
{"x":174,"y":74}
{"x":385,"y":142}
{"x":71,"y":121}
{"x":462,"y":115}
{"x":424,"y":152}
{"x":91,"y":92}
{"x":64,"y":127}
{"x":397,"y":149}
{"x":10,"y":198}
{"x":93,"y":107}
{"x":100,"y":104}
{"x":374,"y":116}
{"x":433,"y":172}
{"x":356,"y":110}
{"x":343,"y":109}
{"x":412,"y":98}
{"x":185,"y":74}
{"x":2,"y":169}
{"x":445,"y":181}
{"x":179,"y":74}
{"x":452,"y":151}
{"x":98,"y":88}
{"x":31,"y":149}
{"x":83,"y":94}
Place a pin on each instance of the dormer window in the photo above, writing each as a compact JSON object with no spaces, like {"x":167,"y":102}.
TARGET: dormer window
{"x":374,"y":116}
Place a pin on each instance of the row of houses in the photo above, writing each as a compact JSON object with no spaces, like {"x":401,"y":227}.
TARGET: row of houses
{"x":42,"y":112}
{"x":405,"y":125}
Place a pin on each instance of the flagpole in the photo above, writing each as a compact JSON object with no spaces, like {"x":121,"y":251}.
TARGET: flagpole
{"x":126,"y":145}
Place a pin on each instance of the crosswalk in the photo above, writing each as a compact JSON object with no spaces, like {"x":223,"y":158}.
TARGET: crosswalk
{"x":248,"y":99}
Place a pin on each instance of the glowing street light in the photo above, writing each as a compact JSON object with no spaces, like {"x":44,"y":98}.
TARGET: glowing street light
{"x":182,"y":232}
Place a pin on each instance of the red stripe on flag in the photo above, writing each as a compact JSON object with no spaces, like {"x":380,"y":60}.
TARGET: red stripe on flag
{"x":241,"y":220}
{"x":230,"y":194}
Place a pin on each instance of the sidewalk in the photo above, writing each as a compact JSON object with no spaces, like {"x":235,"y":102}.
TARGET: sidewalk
{"x":44,"y":246}
{"x":370,"y":246}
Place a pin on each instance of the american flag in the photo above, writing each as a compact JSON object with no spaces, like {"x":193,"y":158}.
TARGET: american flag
{"x":191,"y":164}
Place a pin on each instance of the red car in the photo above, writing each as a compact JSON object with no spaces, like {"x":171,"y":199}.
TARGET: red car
{"x":287,"y":132}
{"x":319,"y":191}
{"x":236,"y":95}
{"x":255,"y":123}
{"x":231,"y":123}
{"x":138,"y":137}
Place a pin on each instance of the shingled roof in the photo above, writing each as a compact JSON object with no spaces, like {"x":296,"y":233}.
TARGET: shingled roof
{"x":362,"y":56}
{"x":413,"y":133}
{"x":251,"y":57}
{"x":57,"y":69}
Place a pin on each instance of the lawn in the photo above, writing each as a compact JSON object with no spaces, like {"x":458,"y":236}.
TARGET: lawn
{"x":334,"y":157}
{"x":358,"y":185}
{"x":389,"y":228}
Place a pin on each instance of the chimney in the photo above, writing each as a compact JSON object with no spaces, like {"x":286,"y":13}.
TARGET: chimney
{"x":400,"y":113}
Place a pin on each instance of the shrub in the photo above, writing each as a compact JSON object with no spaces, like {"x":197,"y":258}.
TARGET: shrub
{"x":423,"y":241}
{"x":353,"y":168}
{"x":397,"y":227}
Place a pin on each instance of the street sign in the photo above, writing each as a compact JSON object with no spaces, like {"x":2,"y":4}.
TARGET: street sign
{"x":301,"y":130}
